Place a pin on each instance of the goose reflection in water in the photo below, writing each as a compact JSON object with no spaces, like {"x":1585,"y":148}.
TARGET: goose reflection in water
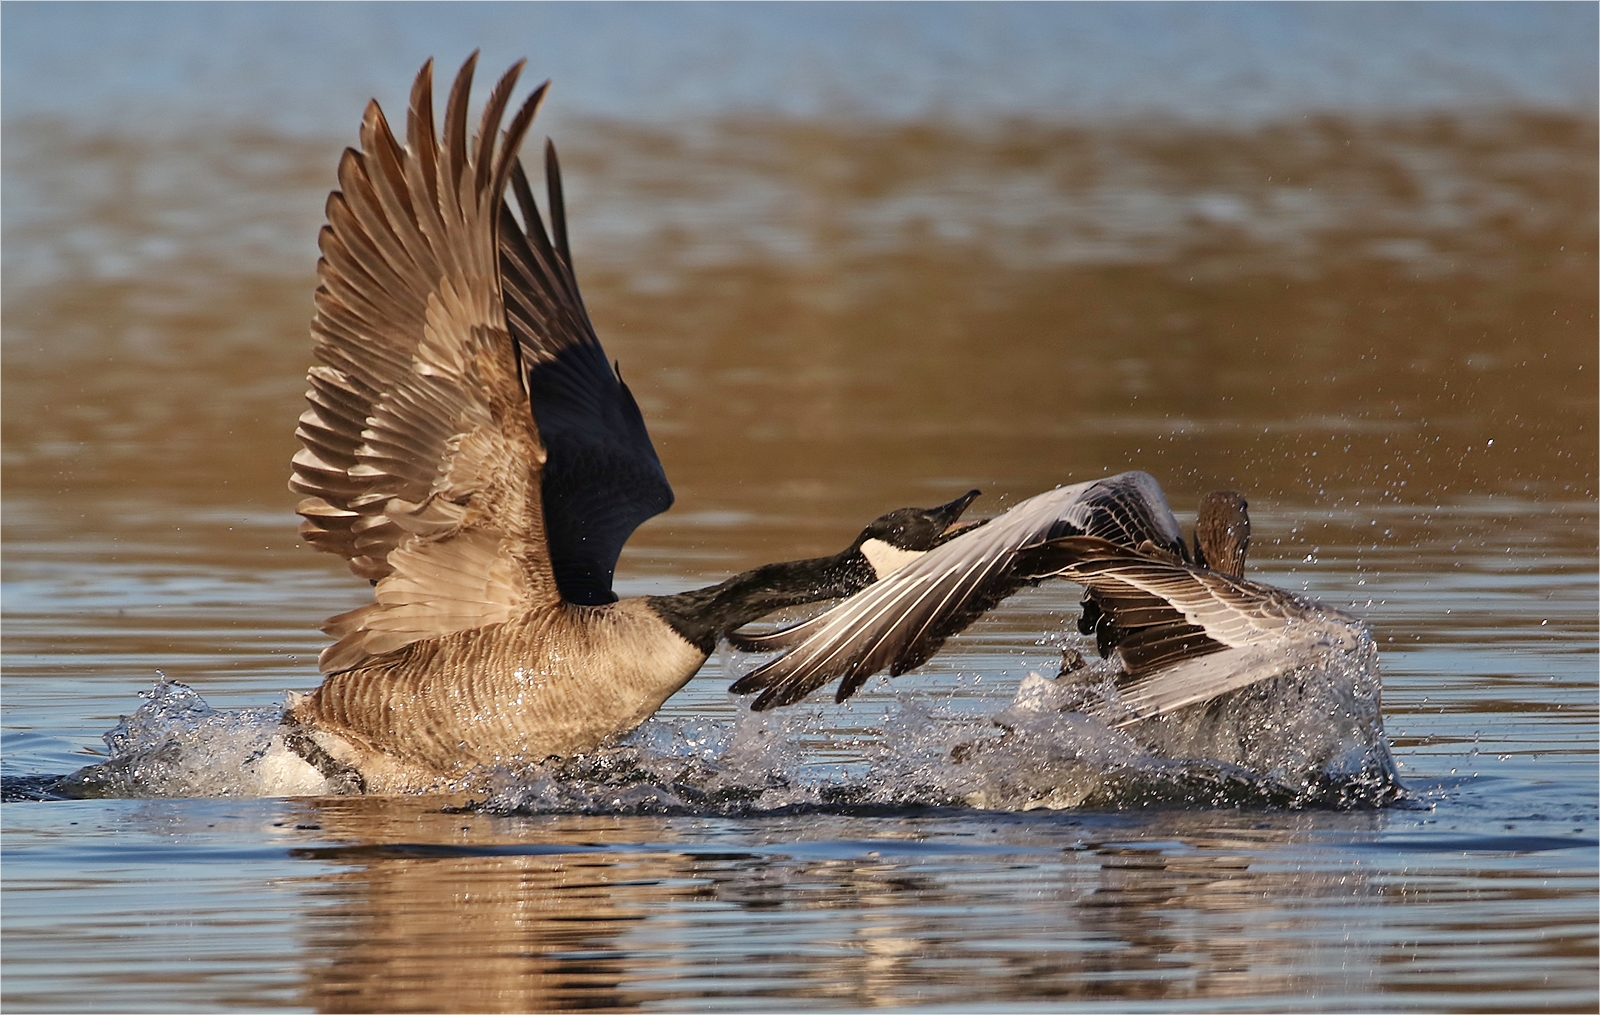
{"x":574,"y":912}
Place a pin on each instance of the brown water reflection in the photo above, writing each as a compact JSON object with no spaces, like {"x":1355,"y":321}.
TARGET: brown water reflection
{"x":824,"y":321}
{"x":466,"y":913}
{"x":1383,"y":331}
{"x":467,"y":932}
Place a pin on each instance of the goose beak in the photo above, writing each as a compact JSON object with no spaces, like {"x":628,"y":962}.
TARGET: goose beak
{"x":947,"y":515}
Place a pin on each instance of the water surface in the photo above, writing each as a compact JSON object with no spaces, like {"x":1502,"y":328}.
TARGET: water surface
{"x":1375,"y":317}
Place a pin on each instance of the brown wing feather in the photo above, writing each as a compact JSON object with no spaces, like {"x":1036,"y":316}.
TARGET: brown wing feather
{"x":1155,"y":613}
{"x":421,"y":460}
{"x":1186,"y":634}
{"x":543,"y":308}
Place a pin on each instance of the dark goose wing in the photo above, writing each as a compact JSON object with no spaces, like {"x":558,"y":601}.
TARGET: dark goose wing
{"x":1186,"y":634}
{"x":421,"y":460}
{"x":602,"y":478}
{"x":901,"y":620}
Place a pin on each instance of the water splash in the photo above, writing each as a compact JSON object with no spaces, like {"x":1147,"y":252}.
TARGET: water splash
{"x":1311,"y":738}
{"x":177,"y":745}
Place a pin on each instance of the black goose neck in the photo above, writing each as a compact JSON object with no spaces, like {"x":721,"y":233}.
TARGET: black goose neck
{"x":701,"y":616}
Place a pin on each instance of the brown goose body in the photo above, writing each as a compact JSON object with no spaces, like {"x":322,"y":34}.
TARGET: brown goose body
{"x":471,"y":451}
{"x":548,"y":683}
{"x":1212,"y":665}
{"x":1185,"y":632}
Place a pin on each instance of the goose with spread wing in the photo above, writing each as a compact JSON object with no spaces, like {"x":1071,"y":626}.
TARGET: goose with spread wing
{"x":471,"y":452}
{"x":1185,"y":631}
{"x":900,"y":621}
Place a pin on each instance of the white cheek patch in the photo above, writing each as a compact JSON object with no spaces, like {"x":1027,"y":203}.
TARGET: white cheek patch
{"x":886,"y":559}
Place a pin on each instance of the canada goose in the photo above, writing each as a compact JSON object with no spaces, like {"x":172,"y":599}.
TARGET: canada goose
{"x":471,"y":452}
{"x":1214,"y":666}
{"x":900,"y":621}
{"x":1184,"y":632}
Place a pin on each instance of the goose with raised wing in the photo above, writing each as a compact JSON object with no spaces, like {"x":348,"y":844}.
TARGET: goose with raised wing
{"x":471,"y":452}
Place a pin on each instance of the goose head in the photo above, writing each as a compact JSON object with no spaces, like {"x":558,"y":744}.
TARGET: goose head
{"x":895,"y":539}
{"x":1222,"y":532}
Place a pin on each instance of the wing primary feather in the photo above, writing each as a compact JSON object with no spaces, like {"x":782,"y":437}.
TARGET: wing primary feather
{"x":793,"y":676}
{"x":551,"y":273}
{"x":558,"y":204}
{"x":422,"y":181}
{"x":345,"y":234}
{"x":967,"y":588}
{"x":358,"y":202}
{"x":420,"y":133}
{"x":516,"y":131}
{"x":387,"y":177}
{"x":455,"y":134}
{"x":532,"y":221}
{"x":859,"y":652}
{"x":489,"y":127}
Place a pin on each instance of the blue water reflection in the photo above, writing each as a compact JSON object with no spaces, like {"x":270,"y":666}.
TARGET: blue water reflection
{"x":302,"y":68}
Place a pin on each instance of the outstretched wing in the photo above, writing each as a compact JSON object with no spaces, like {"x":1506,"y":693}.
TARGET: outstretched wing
{"x":1187,"y":634}
{"x":900,"y":621}
{"x":421,"y":459}
{"x":602,"y":477}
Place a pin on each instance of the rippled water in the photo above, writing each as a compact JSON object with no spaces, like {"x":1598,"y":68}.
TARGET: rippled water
{"x":1376,"y":317}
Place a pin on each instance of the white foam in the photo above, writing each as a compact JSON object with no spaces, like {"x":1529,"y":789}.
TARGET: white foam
{"x":176,"y":745}
{"x":1313,"y":738}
